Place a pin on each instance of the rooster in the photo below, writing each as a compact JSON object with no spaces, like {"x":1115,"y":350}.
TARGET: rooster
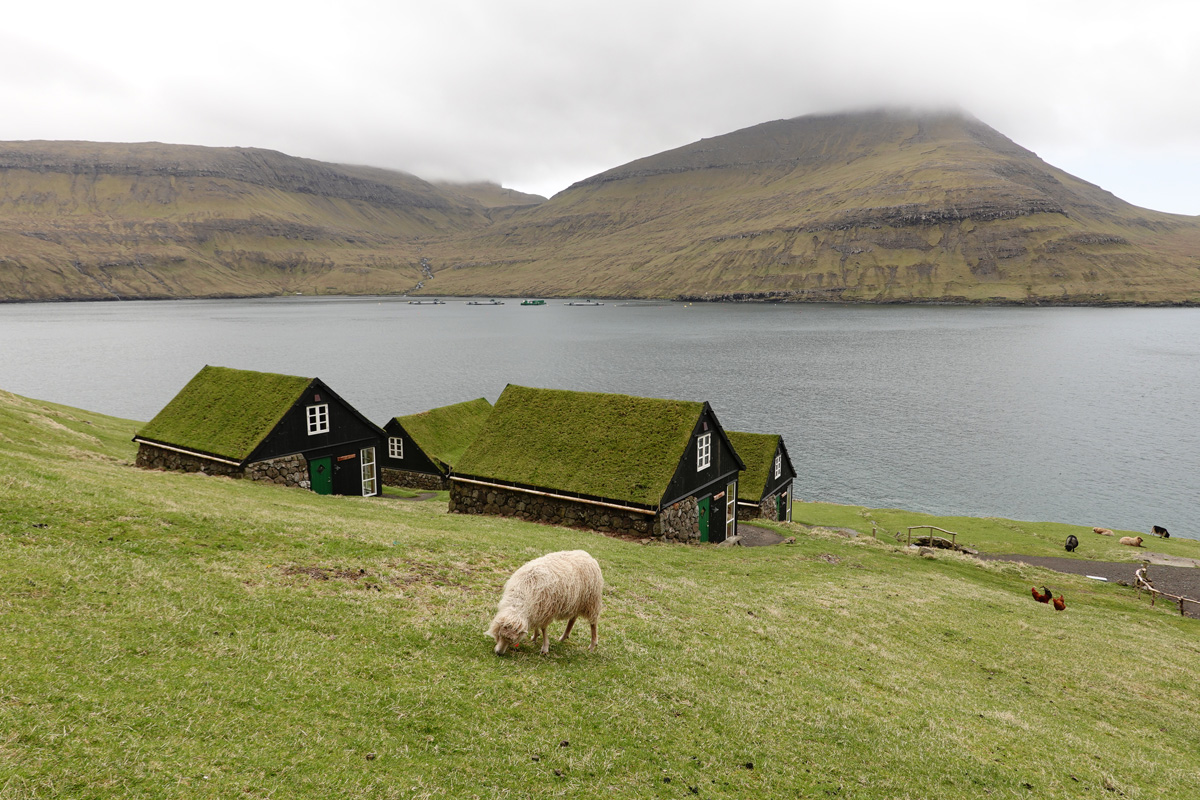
{"x":1041,"y":598}
{"x":1059,"y":603}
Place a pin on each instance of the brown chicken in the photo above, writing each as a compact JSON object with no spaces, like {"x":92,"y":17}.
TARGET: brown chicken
{"x":1059,"y":603}
{"x":1041,"y":598}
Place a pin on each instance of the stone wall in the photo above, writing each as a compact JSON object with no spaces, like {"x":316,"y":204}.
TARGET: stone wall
{"x":285,"y":471}
{"x":679,"y":522}
{"x":764,"y":510}
{"x":467,"y":498}
{"x":414,"y":480}
{"x":151,"y":457}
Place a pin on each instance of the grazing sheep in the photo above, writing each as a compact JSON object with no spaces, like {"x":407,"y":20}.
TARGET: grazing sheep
{"x":1072,"y":543}
{"x":1132,"y":541}
{"x":1160,"y":531}
{"x":563,"y":585}
{"x":1102,"y":531}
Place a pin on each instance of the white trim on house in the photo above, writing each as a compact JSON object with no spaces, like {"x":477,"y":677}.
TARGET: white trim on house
{"x":703,"y":451}
{"x":778,"y":465}
{"x":139,"y":440}
{"x":396,"y":447}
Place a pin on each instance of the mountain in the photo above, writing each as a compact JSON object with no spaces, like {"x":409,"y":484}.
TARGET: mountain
{"x":879,"y":206}
{"x":80,"y":220}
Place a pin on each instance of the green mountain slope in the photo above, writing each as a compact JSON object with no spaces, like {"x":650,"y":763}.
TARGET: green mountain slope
{"x":875,"y":206}
{"x":80,"y":220}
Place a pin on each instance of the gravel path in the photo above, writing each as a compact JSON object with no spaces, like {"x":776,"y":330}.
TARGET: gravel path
{"x":1183,"y":581}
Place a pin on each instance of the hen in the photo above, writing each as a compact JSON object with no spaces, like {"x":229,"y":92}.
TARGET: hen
{"x":1059,"y":603}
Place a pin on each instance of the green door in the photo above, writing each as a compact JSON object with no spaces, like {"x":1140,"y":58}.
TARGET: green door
{"x":702,"y":507}
{"x":320,"y":472}
{"x":781,"y":506}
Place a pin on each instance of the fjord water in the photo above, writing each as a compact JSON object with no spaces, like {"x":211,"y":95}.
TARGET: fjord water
{"x":1079,"y":415}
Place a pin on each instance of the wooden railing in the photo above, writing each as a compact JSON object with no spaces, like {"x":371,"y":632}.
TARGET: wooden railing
{"x":1144,"y":583}
{"x":952,"y":534}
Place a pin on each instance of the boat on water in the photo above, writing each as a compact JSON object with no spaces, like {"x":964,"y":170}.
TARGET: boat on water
{"x":533,"y":302}
{"x":427,"y":302}
{"x":583,"y":303}
{"x":485,"y":302}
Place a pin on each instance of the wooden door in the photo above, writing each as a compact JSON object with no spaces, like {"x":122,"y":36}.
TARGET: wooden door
{"x":320,"y":474}
{"x":702,"y":508}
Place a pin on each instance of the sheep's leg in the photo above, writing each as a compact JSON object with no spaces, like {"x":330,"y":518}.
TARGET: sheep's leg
{"x":567,"y":632}
{"x":545,"y":642}
{"x":594,"y":637}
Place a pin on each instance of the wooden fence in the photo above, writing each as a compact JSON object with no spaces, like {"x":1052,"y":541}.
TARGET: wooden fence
{"x":1144,"y":583}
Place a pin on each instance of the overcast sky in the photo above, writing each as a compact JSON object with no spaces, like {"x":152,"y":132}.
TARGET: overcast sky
{"x":537,"y":95}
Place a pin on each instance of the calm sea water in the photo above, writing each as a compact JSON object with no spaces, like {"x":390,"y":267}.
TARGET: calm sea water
{"x":1077,"y":415}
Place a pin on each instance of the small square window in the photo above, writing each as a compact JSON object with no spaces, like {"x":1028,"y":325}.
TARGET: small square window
{"x":395,"y":447}
{"x":318,"y":419}
{"x":778,"y":465}
{"x":703,"y":451}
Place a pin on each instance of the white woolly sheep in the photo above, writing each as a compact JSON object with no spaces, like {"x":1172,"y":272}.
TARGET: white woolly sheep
{"x":563,"y":585}
{"x":1132,"y":541}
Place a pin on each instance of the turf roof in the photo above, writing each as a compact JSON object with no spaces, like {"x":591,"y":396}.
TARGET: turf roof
{"x":611,"y":446}
{"x":225,"y":412}
{"x":444,"y":433}
{"x":757,"y":451}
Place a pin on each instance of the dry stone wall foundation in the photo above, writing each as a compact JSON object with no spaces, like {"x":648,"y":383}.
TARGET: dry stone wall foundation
{"x":414,"y":480}
{"x":284,"y":471}
{"x":466,"y":498}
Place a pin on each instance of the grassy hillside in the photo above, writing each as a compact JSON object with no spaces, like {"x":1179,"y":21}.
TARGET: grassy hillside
{"x":80,"y":220}
{"x":173,"y":635}
{"x":875,"y":206}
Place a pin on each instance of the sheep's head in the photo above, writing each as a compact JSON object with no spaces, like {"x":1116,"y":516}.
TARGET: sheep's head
{"x":508,"y":629}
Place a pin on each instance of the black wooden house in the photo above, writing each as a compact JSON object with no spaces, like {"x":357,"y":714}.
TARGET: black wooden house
{"x":284,"y":429}
{"x":766,"y":482}
{"x":619,"y":464}
{"x":422,"y":448}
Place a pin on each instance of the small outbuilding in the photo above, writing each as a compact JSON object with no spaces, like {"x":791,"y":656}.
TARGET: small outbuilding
{"x":766,"y":482}
{"x":422,"y":448}
{"x":615,"y":463}
{"x":284,"y":429}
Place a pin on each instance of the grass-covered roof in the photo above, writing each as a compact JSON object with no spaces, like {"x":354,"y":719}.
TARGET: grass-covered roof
{"x":444,"y":433}
{"x":757,"y":451}
{"x":611,"y":446}
{"x":225,"y":412}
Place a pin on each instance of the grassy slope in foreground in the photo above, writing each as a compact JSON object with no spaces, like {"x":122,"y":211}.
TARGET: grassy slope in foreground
{"x":172,"y":635}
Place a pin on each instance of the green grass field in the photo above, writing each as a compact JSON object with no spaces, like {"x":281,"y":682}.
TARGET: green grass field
{"x":181,"y":636}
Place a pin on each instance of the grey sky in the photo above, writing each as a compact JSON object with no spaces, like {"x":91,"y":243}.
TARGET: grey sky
{"x":537,"y":95}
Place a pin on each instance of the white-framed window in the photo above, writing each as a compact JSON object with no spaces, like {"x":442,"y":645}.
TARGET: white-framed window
{"x":703,"y":451}
{"x":367,"y":457}
{"x":318,"y":419}
{"x":778,"y":464}
{"x":731,"y":510}
{"x":395,"y":447}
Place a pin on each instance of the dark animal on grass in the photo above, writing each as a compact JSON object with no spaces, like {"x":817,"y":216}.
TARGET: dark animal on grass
{"x":1042,"y":596}
{"x":1059,"y":603}
{"x":1132,"y":541}
{"x":563,"y":585}
{"x":1072,"y":543}
{"x":1160,"y":531}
